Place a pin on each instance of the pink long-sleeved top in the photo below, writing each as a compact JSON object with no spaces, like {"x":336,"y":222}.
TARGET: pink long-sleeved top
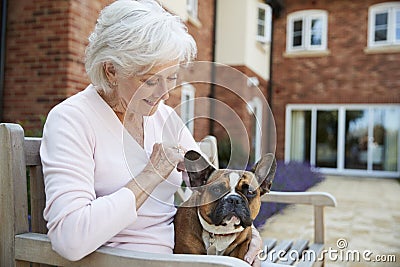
{"x":88,"y":157}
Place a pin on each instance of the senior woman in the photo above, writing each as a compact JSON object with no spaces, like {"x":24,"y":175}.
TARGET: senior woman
{"x":110,"y":170}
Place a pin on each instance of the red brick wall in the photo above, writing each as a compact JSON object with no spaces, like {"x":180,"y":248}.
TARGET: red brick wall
{"x":347,"y":75}
{"x":44,"y":59}
{"x":236,"y":96}
{"x":36,"y":58}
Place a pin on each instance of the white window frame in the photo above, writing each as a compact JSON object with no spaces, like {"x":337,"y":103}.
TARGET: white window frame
{"x":307,"y":16}
{"x":187,"y":104}
{"x":391,"y":8}
{"x":340,"y":170}
{"x":256,"y":105}
{"x":192,"y":8}
{"x":266,"y":37}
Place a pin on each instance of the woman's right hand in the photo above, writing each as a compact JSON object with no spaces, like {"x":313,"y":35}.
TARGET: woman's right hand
{"x":164,"y":159}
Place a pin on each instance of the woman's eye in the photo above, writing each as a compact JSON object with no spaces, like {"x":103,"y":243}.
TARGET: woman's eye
{"x":173,"y":78}
{"x":151,"y":82}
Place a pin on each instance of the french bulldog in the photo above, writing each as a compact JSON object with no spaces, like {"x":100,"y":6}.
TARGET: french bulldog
{"x":217,"y":218}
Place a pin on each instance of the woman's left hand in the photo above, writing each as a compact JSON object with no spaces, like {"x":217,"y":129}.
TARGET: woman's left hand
{"x":254,"y":248}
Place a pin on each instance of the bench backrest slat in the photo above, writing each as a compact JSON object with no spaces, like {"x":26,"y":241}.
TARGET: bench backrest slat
{"x":38,"y":199}
{"x":13,"y":206}
{"x":37,"y":194}
{"x":31,"y":148}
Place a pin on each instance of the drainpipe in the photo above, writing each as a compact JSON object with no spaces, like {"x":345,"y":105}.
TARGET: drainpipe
{"x":213,"y":69}
{"x":276,"y":6}
{"x":2,"y":54}
{"x":271,"y":53}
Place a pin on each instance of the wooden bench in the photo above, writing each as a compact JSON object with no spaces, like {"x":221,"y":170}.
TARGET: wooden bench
{"x":20,"y":246}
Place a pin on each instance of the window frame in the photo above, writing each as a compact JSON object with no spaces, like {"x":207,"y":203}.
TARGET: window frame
{"x":255,"y":108}
{"x":192,"y":8}
{"x":306,"y":16}
{"x":188,"y":90}
{"x":266,"y":37}
{"x":390,"y":8}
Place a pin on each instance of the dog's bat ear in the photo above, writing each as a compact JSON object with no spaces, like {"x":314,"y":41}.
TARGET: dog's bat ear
{"x":198,"y":168}
{"x":264,"y":170}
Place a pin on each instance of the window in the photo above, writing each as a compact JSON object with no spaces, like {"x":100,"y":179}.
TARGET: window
{"x":307,"y":31}
{"x":347,"y":139}
{"x":384,"y":24}
{"x":264,"y":21}
{"x":187,"y":106}
{"x":192,"y":8}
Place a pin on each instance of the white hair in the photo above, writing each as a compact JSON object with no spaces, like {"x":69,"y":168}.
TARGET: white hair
{"x":135,"y":36}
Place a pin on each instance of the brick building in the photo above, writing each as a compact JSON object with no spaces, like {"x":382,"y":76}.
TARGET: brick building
{"x":336,"y":83}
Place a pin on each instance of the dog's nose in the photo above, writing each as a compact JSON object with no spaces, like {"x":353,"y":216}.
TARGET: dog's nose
{"x":234,"y":199}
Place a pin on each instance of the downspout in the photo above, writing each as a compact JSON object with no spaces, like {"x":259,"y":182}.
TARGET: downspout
{"x":213,"y":69}
{"x":2,"y":55}
{"x":271,"y":53}
{"x":276,"y":6}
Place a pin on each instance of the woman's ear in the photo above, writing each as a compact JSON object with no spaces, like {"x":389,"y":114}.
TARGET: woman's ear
{"x":110,"y":72}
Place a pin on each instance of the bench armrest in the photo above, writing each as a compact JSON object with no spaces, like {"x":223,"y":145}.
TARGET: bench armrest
{"x":318,"y":200}
{"x":307,"y":198}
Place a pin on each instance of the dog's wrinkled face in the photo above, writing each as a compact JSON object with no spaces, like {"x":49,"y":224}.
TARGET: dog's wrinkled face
{"x":229,"y":198}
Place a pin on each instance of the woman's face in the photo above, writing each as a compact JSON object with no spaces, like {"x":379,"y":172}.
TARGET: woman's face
{"x":142,"y":94}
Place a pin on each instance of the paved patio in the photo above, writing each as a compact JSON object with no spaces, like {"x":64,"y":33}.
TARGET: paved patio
{"x":367,"y":217}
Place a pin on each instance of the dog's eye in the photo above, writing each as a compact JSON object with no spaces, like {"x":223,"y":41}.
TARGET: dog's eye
{"x":216,"y":190}
{"x":250,"y":193}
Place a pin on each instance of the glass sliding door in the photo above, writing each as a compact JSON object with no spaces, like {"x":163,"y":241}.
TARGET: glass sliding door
{"x":326,"y":139}
{"x":300,"y":135}
{"x":372,"y":139}
{"x":384,"y":143}
{"x":356,"y":139}
{"x":346,"y":139}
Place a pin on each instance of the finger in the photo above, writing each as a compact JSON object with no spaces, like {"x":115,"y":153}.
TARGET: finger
{"x":181,"y":167}
{"x":256,"y":263}
{"x":251,"y":254}
{"x":174,"y":155}
{"x":180,"y":149}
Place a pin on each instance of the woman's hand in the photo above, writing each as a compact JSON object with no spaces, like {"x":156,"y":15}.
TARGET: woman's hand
{"x":164,"y":159}
{"x":254,"y":248}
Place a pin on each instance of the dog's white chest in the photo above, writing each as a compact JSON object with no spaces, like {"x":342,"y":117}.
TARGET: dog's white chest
{"x":217,"y":244}
{"x":217,"y":239}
